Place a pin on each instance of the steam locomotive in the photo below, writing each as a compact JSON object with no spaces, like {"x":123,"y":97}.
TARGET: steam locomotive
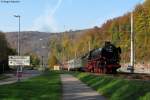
{"x":100,"y":60}
{"x":103,"y":60}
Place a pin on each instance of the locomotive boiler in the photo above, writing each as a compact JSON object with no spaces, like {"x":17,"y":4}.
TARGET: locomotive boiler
{"x":103,"y":60}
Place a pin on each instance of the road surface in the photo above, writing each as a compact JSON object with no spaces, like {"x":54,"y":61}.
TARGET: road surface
{"x":26,"y":74}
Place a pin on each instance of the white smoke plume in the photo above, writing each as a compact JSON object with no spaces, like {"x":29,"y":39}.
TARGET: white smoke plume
{"x":46,"y":22}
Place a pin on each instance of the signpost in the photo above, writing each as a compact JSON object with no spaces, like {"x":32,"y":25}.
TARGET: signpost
{"x":19,"y":61}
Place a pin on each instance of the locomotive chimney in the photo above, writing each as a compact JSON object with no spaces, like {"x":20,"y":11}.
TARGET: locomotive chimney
{"x":107,"y":43}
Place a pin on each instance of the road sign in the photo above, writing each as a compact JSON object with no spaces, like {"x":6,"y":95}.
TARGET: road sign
{"x":19,"y":60}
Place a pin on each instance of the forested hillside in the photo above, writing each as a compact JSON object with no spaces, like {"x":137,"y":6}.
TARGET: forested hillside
{"x":116,"y":30}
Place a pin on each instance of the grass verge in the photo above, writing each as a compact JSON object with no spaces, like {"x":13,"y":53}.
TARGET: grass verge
{"x":44,"y":87}
{"x":117,"y":88}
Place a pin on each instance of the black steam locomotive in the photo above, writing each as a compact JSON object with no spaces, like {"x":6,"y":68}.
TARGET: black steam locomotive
{"x":103,"y":60}
{"x":100,"y":60}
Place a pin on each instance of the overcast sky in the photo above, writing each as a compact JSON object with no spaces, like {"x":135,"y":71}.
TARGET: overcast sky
{"x":61,"y":15}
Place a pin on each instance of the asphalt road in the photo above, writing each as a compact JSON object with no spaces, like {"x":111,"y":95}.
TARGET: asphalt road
{"x":25,"y":75}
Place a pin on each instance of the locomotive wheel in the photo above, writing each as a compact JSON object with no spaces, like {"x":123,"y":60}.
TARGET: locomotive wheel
{"x":91,"y":70}
{"x":114,"y":71}
{"x":99,"y":70}
{"x":105,"y":71}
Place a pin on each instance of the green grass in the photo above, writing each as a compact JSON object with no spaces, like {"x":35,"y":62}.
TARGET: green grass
{"x":44,"y":87}
{"x":117,"y":88}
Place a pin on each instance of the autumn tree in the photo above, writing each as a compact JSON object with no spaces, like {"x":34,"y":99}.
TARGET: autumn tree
{"x":52,"y":60}
{"x":116,"y":30}
{"x":5,"y":51}
{"x":34,"y":60}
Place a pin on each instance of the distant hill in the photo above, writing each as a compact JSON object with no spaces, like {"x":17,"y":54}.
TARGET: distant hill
{"x":29,"y":41}
{"x":35,"y":42}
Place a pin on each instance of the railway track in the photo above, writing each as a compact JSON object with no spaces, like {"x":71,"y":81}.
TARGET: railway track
{"x":129,"y":76}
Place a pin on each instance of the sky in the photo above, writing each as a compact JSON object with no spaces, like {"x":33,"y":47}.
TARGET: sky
{"x":61,"y":15}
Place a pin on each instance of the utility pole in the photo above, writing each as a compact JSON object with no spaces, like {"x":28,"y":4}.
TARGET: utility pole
{"x":132,"y":46}
{"x":42,"y":63}
{"x":19,"y":68}
{"x":132,"y":55}
{"x":18,"y":38}
{"x":63,"y":37}
{"x":42,"y":57}
{"x":89,"y":46}
{"x":75,"y":53}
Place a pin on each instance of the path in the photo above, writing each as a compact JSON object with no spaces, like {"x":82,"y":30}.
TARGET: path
{"x":73,"y":89}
